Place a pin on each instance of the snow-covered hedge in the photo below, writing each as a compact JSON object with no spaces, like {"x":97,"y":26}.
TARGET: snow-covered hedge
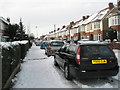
{"x":12,"y":54}
{"x":9,"y":44}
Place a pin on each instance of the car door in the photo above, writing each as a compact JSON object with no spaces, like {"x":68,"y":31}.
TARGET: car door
{"x":64,"y":55}
{"x":59,"y":55}
{"x":72,"y":54}
{"x":72,"y":58}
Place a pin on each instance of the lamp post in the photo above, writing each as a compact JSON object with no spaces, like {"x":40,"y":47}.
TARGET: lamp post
{"x":36,"y":32}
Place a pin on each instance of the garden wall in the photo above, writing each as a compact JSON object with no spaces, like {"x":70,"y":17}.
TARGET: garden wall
{"x":115,"y":45}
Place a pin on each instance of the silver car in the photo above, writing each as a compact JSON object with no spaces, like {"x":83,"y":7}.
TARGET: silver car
{"x":53,"y":46}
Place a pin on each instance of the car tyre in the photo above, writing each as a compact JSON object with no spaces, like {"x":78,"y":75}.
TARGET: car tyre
{"x":67,"y":73}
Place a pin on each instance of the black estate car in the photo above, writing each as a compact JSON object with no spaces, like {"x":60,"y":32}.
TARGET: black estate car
{"x":87,"y":60}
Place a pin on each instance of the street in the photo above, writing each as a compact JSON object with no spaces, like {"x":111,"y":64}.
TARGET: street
{"x":38,"y":71}
{"x":32,"y":33}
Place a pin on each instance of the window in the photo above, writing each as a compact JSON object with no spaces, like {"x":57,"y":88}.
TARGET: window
{"x":57,"y":43}
{"x":96,"y":25}
{"x":115,"y":20}
{"x":75,"y":30}
{"x":63,"y":48}
{"x":97,"y":36}
{"x":82,"y":28}
{"x":72,"y":31}
{"x":83,"y":36}
{"x":96,"y":50}
{"x":76,"y":38}
{"x":119,"y":20}
{"x":89,"y":27}
{"x":112,"y":21}
{"x":72,"y":49}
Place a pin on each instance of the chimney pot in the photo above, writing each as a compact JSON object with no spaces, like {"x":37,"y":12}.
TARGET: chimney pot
{"x":118,"y":3}
{"x":63,"y":26}
{"x":84,"y":18}
{"x":71,"y":22}
{"x":87,"y":16}
{"x":111,"y":5}
{"x":8,"y":19}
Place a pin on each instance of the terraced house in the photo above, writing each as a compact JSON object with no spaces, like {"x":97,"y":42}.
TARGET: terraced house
{"x":114,"y":18}
{"x":3,"y":29}
{"x":92,"y":27}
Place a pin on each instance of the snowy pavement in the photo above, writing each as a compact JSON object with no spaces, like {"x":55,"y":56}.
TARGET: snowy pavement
{"x":38,"y":71}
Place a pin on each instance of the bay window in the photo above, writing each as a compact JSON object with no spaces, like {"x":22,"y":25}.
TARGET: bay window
{"x":96,"y":36}
{"x":114,"y":20}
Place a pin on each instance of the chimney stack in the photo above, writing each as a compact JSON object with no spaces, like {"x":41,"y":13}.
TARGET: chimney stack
{"x":111,"y":6}
{"x":58,"y":29}
{"x":8,"y":19}
{"x":84,"y":18}
{"x":87,"y":16}
{"x":118,"y":3}
{"x":71,"y":23}
{"x":63,"y":26}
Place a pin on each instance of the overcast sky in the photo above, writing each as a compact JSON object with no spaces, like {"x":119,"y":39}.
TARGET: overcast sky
{"x":41,"y":15}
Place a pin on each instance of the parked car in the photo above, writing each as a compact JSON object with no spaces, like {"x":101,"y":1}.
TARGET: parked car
{"x":44,"y":44}
{"x":53,"y":46}
{"x":87,"y":60}
{"x":38,"y":42}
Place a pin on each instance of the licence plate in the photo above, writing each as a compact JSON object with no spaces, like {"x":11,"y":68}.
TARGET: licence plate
{"x":103,"y":61}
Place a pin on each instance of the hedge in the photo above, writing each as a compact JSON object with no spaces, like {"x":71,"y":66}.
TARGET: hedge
{"x":12,"y":54}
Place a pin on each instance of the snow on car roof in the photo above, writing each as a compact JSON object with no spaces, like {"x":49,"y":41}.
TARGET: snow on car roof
{"x":92,"y":42}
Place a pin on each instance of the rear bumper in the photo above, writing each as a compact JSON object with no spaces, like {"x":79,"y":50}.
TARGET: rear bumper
{"x":96,"y":73}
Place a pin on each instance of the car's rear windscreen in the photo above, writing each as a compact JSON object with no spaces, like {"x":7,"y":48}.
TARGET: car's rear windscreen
{"x":96,"y":50}
{"x":57,"y":43}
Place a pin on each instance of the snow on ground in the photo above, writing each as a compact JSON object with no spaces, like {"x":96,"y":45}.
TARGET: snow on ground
{"x":38,"y":71}
{"x":117,"y":53}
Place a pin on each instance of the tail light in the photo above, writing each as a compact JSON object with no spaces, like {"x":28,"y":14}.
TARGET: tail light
{"x":49,"y":47}
{"x":78,"y":56}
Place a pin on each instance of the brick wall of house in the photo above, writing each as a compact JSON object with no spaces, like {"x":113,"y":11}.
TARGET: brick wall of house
{"x":116,"y":27}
